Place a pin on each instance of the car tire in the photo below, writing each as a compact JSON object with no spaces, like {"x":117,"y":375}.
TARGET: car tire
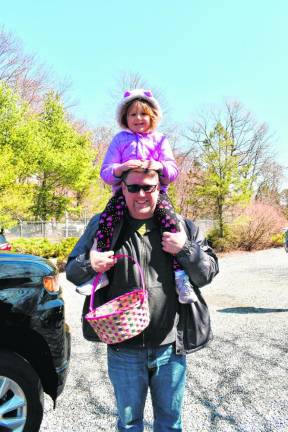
{"x":21,"y":386}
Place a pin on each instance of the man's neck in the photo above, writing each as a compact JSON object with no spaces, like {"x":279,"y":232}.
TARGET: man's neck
{"x":142,"y":225}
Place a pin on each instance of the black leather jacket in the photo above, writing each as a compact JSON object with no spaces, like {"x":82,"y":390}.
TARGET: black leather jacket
{"x":197,"y":259}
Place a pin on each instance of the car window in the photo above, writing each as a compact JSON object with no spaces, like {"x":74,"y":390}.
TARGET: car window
{"x":2,"y":239}
{"x":19,"y":275}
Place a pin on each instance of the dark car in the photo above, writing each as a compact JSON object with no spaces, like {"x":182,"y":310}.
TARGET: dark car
{"x":34,"y":340}
{"x":4,"y":245}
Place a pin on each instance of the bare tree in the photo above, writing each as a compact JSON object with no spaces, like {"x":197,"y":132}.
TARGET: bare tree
{"x":189,"y":177}
{"x":25,"y":74}
{"x":251,"y":140}
{"x":101,"y":140}
{"x":284,"y":201}
{"x":21,"y":71}
{"x":269,"y":187}
{"x":132,"y":80}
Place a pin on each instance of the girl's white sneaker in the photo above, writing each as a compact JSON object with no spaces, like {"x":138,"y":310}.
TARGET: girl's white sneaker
{"x":86,"y":288}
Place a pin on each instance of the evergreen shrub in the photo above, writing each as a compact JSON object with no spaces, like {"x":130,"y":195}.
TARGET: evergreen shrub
{"x":45,"y":248}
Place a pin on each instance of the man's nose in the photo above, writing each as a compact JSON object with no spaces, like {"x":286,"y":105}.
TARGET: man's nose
{"x":141,"y":193}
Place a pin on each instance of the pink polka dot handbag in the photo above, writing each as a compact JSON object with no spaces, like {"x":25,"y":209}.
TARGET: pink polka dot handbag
{"x":123,"y":317}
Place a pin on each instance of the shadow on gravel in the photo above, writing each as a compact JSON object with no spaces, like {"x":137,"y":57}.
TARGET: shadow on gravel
{"x":250,"y":309}
{"x":237,"y":396}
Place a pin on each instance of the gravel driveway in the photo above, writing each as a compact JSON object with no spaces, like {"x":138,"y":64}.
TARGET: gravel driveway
{"x":238,"y":383}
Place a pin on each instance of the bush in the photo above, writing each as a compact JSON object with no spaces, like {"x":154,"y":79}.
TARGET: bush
{"x":222,"y":244}
{"x":258,"y":225}
{"x":64,"y":249}
{"x":277,"y":240}
{"x":46,"y":249}
{"x":35,"y":246}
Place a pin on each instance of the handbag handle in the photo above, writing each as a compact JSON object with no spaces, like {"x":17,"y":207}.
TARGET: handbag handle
{"x":99,"y":275}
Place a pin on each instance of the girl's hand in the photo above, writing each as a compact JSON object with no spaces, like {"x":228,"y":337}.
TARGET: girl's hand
{"x":174,"y":242}
{"x":152,"y":164}
{"x":102,"y":261}
{"x":125,"y":166}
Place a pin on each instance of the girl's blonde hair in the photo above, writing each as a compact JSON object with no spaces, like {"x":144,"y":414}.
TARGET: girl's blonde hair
{"x":143,"y":105}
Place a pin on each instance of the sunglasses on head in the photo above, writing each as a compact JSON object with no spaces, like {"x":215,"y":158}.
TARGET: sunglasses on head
{"x":134,"y":188}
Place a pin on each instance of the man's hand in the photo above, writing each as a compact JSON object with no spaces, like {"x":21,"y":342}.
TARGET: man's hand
{"x":102,"y":261}
{"x":174,"y":242}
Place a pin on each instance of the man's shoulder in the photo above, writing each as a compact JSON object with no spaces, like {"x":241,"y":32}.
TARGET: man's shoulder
{"x":94,"y":219}
{"x":185,"y":220}
{"x":85,"y":242}
{"x":93,"y":222}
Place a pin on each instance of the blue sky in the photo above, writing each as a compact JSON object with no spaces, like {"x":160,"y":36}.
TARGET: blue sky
{"x":197,"y":53}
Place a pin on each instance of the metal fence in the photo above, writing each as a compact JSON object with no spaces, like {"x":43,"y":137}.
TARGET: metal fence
{"x":67,"y":228}
{"x":48,"y":229}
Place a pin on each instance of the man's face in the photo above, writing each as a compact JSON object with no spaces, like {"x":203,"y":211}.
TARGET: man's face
{"x":141,"y":204}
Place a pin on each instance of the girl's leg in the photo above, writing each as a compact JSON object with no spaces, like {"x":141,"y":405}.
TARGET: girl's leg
{"x":167,"y":218}
{"x":112,"y":214}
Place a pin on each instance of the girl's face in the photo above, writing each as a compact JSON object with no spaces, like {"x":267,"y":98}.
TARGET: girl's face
{"x":137,"y":119}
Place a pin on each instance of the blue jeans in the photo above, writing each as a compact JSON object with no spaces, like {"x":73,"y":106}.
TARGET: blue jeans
{"x":133,"y":371}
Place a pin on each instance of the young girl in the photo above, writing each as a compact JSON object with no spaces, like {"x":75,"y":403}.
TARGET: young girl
{"x":140,"y":145}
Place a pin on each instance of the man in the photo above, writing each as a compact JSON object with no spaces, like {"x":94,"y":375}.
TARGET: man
{"x":156,"y":358}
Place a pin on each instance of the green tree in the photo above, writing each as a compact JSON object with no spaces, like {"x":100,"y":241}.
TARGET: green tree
{"x":18,"y":144}
{"x":224,"y":183}
{"x":65,"y":164}
{"x":252,"y":143}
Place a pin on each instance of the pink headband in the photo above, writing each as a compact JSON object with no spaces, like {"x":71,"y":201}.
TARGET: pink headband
{"x":147,"y":93}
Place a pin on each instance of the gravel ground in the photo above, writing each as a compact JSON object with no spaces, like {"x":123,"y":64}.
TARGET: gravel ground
{"x":238,"y":383}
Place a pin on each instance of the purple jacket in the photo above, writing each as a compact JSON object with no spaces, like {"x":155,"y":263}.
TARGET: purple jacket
{"x":127,"y":145}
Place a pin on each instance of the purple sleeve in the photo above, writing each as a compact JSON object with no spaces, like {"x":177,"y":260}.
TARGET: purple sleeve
{"x":111,"y":161}
{"x":170,"y":171}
